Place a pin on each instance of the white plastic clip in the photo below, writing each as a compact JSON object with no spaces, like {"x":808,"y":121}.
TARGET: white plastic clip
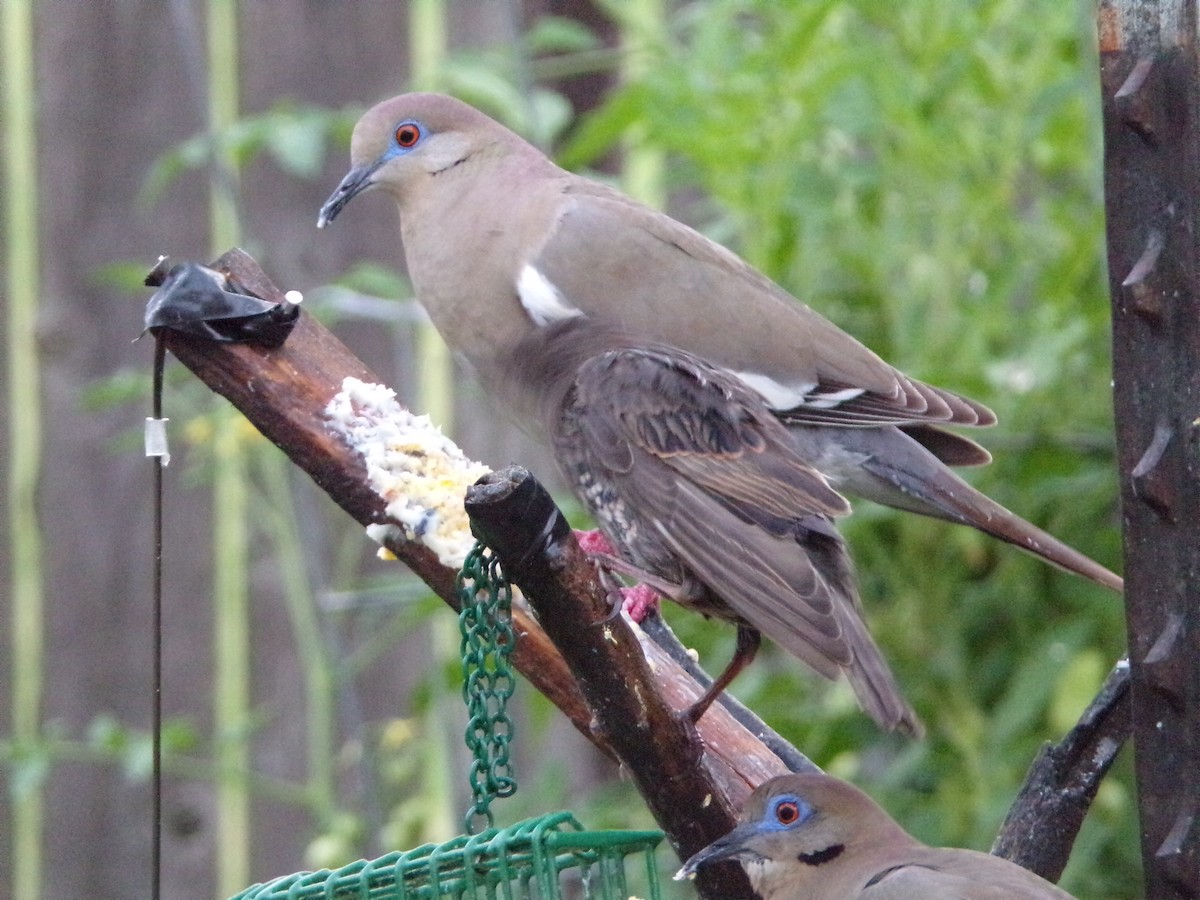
{"x":156,"y":439}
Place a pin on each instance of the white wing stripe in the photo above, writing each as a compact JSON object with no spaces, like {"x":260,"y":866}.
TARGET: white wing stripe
{"x":789,"y":396}
{"x":541,"y":299}
{"x":833,"y":398}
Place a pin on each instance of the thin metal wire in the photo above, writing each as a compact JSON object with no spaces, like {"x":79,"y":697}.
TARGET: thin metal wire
{"x":160,"y":351}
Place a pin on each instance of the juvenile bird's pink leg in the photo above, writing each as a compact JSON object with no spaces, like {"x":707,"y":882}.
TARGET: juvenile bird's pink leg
{"x":642,"y":599}
{"x":748,"y":642}
{"x":638,"y":601}
{"x":595,"y":543}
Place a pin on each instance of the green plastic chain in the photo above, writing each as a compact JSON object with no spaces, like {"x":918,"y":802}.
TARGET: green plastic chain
{"x":548,"y":857}
{"x":487,"y":641}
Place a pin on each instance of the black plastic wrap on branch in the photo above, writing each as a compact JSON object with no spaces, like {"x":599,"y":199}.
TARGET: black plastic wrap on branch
{"x":200,"y":301}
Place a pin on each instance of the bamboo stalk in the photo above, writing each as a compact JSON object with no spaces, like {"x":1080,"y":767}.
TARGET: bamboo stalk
{"x":435,"y":394}
{"x":231,"y":637}
{"x":27,"y":590}
{"x":312,"y":649}
{"x":435,"y":371}
{"x":231,"y":657}
{"x":643,"y":168}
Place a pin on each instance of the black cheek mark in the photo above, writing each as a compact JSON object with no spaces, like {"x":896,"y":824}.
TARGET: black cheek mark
{"x":818,"y":857}
{"x":457,"y":162}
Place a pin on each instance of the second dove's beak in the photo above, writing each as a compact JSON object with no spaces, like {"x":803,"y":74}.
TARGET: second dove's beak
{"x":732,"y":846}
{"x":356,"y":181}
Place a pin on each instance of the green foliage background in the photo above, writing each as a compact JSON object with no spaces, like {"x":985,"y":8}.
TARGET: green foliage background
{"x":929,"y":177}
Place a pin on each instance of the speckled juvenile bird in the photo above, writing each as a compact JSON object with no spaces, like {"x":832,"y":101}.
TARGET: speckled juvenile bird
{"x":813,"y":837}
{"x":506,"y":249}
{"x":701,"y":490}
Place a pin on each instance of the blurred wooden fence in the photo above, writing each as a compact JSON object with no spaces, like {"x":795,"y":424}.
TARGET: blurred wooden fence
{"x":118,"y":86}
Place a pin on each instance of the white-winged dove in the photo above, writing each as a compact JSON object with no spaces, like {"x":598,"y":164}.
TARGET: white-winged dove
{"x":814,"y":837}
{"x":719,"y":418}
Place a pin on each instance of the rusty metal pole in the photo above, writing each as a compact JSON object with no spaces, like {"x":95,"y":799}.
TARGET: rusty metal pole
{"x":1150,"y":79}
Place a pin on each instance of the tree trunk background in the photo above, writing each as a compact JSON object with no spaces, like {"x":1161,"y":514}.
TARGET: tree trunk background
{"x":1149,"y":71}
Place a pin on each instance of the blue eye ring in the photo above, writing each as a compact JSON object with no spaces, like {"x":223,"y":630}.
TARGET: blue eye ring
{"x":407,"y":135}
{"x":786,"y":812}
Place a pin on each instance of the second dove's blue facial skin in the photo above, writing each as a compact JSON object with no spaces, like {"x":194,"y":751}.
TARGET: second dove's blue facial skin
{"x":743,"y":415}
{"x":812,"y":837}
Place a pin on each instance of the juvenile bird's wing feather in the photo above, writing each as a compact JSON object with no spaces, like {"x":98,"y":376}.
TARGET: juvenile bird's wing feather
{"x":714,"y":474}
{"x":673,"y":285}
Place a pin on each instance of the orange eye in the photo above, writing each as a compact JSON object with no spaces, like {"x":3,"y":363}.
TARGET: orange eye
{"x":787,"y":812}
{"x":408,"y":134}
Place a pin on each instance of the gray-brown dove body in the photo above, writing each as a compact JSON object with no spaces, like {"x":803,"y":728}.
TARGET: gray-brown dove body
{"x":813,"y":837}
{"x":530,"y":272}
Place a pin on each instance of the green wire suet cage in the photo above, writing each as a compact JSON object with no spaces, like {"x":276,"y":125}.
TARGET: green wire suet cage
{"x":547,"y":857}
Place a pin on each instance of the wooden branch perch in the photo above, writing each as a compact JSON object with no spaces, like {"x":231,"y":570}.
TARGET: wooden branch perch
{"x":619,"y":686}
{"x":515,"y":516}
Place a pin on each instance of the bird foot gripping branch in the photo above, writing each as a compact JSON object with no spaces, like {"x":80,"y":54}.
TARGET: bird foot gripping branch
{"x":637,"y":601}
